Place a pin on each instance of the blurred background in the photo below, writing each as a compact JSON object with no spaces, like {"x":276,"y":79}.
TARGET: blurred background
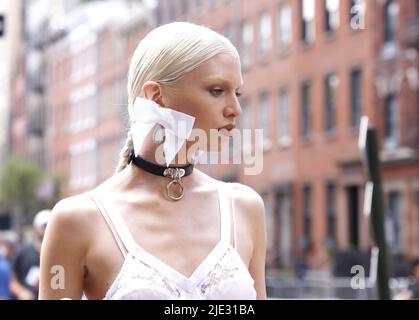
{"x":312,"y":69}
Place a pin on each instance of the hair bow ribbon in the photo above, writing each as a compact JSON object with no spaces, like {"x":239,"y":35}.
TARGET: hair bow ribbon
{"x":177,"y":126}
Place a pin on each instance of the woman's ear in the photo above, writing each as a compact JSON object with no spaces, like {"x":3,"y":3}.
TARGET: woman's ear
{"x":153,"y":91}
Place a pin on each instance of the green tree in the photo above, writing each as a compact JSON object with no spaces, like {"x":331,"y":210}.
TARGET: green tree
{"x":18,"y":189}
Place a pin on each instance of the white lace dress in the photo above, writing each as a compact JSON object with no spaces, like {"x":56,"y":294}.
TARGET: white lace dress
{"x":221,"y":276}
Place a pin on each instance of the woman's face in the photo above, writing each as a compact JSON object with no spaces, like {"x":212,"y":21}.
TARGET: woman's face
{"x":210,"y":94}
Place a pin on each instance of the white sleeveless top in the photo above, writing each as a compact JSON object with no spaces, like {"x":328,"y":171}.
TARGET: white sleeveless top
{"x":222,"y":275}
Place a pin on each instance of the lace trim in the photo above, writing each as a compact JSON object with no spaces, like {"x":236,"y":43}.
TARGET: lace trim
{"x":223,"y":270}
{"x":140,"y":271}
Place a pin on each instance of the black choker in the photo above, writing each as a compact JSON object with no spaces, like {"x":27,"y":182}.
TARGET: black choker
{"x":174,"y":173}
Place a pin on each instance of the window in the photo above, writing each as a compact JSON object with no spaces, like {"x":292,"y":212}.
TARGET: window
{"x":184,"y":7}
{"x":307,"y":15}
{"x":331,"y":212}
{"x":283,"y":225}
{"x":265,"y":31}
{"x":83,"y":164}
{"x":229,"y":33}
{"x":84,"y":54}
{"x":391,"y":11}
{"x":393,"y":221}
{"x":391,"y":122}
{"x":417,"y":222}
{"x":246,"y":116}
{"x":246,"y":125}
{"x":172,"y":10}
{"x":159,"y":13}
{"x":246,"y":44}
{"x":284,"y":130}
{"x":306,"y":119}
{"x":265,"y":118}
{"x":332,"y":15}
{"x":307,"y":212}
{"x":2,"y":25}
{"x":198,"y":7}
{"x":212,"y":4}
{"x":83,"y":108}
{"x":284,"y":25}
{"x":331,"y":83}
{"x":356,"y":97}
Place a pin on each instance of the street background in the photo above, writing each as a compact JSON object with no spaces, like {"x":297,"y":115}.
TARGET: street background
{"x":312,"y":69}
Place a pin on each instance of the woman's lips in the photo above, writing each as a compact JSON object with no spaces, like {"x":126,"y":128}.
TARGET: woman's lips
{"x":226,"y":130}
{"x":228,"y":127}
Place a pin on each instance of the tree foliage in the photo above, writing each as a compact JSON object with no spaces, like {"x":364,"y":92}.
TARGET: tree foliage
{"x":19,"y":182}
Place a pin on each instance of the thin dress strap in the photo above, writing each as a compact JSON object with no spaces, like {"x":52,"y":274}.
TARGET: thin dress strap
{"x":234,"y":217}
{"x":226,"y":209}
{"x":224,"y":213}
{"x":117,"y":225}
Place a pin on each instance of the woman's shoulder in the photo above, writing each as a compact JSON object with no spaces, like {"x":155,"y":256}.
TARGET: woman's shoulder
{"x":247,"y":200}
{"x":250,"y":207}
{"x":76,"y":212}
{"x":245,"y":193}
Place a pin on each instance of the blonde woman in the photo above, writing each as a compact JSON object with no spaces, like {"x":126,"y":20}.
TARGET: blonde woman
{"x":152,"y":233}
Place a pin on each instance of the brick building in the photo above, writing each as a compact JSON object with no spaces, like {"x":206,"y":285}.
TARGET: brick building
{"x":328,"y":63}
{"x":87,"y":73}
{"x":311,"y":70}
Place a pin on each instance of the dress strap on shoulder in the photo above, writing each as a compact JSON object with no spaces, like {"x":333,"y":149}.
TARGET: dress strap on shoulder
{"x":226,"y":210}
{"x":117,"y":225}
{"x":233,"y":209}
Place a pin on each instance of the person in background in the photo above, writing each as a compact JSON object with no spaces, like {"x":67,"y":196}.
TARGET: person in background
{"x":5,"y":269}
{"x":24,"y":283}
{"x":412,"y":291}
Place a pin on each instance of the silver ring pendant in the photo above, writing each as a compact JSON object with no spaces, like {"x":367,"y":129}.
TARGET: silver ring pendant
{"x":169,"y":193}
{"x":176,"y":175}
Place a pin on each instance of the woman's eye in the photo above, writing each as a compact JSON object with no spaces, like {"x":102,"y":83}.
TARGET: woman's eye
{"x":216,"y":92}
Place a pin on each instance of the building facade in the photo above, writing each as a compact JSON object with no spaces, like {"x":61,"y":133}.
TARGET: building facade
{"x":311,"y":69}
{"x":10,"y":35}
{"x":329,"y":63}
{"x":87,"y":70}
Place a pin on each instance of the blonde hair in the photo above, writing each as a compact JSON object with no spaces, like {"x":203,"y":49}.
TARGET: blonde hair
{"x":164,"y":55}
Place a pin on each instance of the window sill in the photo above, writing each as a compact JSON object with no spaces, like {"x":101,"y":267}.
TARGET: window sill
{"x":307,"y":140}
{"x":330,"y":136}
{"x":264,"y":59}
{"x":284,"y":53}
{"x":305,"y":46}
{"x":330,"y":36}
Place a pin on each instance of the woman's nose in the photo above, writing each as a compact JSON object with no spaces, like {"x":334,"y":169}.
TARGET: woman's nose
{"x":234,"y":109}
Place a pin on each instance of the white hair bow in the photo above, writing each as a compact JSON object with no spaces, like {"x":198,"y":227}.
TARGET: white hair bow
{"x":177,"y":126}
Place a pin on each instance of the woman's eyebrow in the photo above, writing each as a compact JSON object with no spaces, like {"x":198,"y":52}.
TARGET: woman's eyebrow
{"x":219,"y":79}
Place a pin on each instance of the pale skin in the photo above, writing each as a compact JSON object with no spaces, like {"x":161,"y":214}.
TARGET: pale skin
{"x":79,"y":240}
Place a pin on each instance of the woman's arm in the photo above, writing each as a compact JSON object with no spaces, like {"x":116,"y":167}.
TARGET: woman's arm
{"x":63,"y":252}
{"x":258,"y":261}
{"x":252,"y":203}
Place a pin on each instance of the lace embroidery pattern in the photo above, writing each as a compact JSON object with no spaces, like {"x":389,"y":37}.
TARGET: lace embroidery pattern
{"x":135,"y":270}
{"x":225,"y":268}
